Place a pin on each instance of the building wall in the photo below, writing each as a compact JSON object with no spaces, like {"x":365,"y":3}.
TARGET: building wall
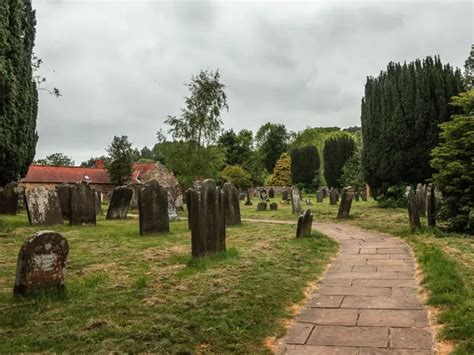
{"x":103,"y":188}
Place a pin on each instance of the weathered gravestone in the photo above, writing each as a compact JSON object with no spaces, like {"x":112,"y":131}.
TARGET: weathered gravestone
{"x":9,"y":198}
{"x":273,"y":206}
{"x":120,"y":203}
{"x":305,"y":223}
{"x":153,"y":208}
{"x":308,"y":202}
{"x":64,"y":195}
{"x":295,"y":200}
{"x":248,"y":202}
{"x":356,"y":195}
{"x":363,"y":195}
{"x":325,"y":190}
{"x":42,"y":206}
{"x":207,"y":219}
{"x":271,"y":192}
{"x":333,"y":196}
{"x":83,"y":204}
{"x":285,"y":195}
{"x":98,"y":204}
{"x":41,"y":262}
{"x":231,"y":204}
{"x":262,"y":206}
{"x":413,"y":209}
{"x":420,"y":200}
{"x":430,"y":206}
{"x":320,"y":196}
{"x":346,"y":202}
{"x":263,"y":194}
{"x":242,"y":196}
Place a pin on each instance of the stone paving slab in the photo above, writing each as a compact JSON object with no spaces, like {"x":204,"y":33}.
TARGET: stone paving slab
{"x":367,"y":302}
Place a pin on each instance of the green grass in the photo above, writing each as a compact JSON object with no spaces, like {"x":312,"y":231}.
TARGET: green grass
{"x":128,"y":293}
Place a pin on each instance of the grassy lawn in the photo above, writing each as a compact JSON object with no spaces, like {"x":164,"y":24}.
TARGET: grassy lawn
{"x":128,"y":293}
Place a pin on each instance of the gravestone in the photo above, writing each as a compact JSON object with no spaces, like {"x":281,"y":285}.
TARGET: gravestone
{"x":98,"y":204}
{"x":346,"y":202}
{"x":263,"y":194}
{"x":248,"y":202}
{"x":305,"y":223}
{"x":83,"y":204}
{"x":153,"y":208}
{"x":64,"y":195}
{"x":363,"y":195}
{"x":295,"y":200}
{"x":262,"y":206}
{"x":273,"y":206}
{"x":41,"y":263}
{"x":333,"y":196}
{"x":308,"y":202}
{"x":42,"y":206}
{"x":119,"y":203}
{"x":413,"y":209}
{"x":207,"y":219}
{"x":271,"y":192}
{"x":231,"y":204}
{"x":325,"y":191}
{"x":356,"y":195}
{"x":420,"y":200}
{"x":320,"y":196}
{"x":430,"y":206}
{"x":9,"y":198}
{"x":285,"y":195}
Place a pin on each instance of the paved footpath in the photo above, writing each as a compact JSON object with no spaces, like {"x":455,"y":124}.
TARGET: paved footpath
{"x":367,"y":302}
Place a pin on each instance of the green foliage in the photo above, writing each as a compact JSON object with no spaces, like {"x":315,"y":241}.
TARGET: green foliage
{"x":400,"y":114}
{"x":18,"y":92}
{"x":453,"y":160}
{"x":305,"y":165}
{"x":352,"y":171}
{"x":282,"y":173}
{"x":191,"y":162}
{"x":337,"y":150}
{"x":238,"y":147}
{"x":237,"y":176}
{"x":469,"y":69}
{"x":393,"y":197}
{"x":58,"y":159}
{"x":120,"y":155}
{"x":200,"y":121}
{"x":92,"y":161}
{"x":313,"y":136}
{"x":272,"y":141}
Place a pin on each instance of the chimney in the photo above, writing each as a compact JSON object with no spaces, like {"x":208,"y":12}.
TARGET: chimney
{"x":99,"y":164}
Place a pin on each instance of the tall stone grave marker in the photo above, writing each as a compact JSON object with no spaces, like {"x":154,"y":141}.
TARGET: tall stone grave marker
{"x":263,"y":194}
{"x":41,"y":262}
{"x":9,"y":198}
{"x":363,"y":195}
{"x":346,"y":202}
{"x":207,"y":219}
{"x":83,"y":204}
{"x":420,"y":200}
{"x":430,"y":206}
{"x":64,"y":195}
{"x":413,"y":209}
{"x":305,"y":223}
{"x":285,"y":195}
{"x":332,"y":196}
{"x":271,"y":192}
{"x":231,"y":205}
{"x":320,"y":196}
{"x":153,"y":208}
{"x":98,"y":204}
{"x":42,"y":206}
{"x":119,"y":203}
{"x":295,"y":200}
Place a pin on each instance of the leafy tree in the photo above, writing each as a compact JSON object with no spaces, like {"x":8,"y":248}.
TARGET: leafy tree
{"x":146,"y":153}
{"x":18,"y":91}
{"x":58,"y":159}
{"x":237,"y":176}
{"x":401,"y":111}
{"x":120,"y":155}
{"x":352,"y":171}
{"x":337,"y":150}
{"x":305,"y":164}
{"x":238,"y":147}
{"x":92,"y":161}
{"x":469,"y":69}
{"x":453,"y":161}
{"x":282,"y":173}
{"x":272,"y":141}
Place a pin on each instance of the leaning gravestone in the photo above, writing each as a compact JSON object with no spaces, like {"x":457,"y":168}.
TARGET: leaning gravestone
{"x":420,"y":199}
{"x":271,"y":192}
{"x":64,"y":195}
{"x":83,"y":204}
{"x":273,"y":206}
{"x":42,"y":206}
{"x":41,"y":262}
{"x":346,"y":202}
{"x":332,"y":196}
{"x":119,"y":203}
{"x":320,"y":196}
{"x":430,"y":206}
{"x":305,"y":223}
{"x":295,"y":200}
{"x":9,"y":198}
{"x":153,"y":208}
{"x":231,"y":204}
{"x":262,"y":206}
{"x":207,"y":219}
{"x":413,"y":209}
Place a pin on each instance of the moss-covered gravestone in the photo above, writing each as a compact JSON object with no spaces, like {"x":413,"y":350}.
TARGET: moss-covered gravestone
{"x":153,"y":208}
{"x":305,"y":223}
{"x":231,"y":204}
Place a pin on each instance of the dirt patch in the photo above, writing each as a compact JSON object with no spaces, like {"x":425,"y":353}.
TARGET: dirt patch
{"x":159,"y":254}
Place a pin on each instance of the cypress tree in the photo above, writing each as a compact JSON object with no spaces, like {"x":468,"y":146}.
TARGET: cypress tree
{"x":18,"y":92}
{"x":400,"y":114}
{"x":337,"y":150}
{"x":305,"y":164}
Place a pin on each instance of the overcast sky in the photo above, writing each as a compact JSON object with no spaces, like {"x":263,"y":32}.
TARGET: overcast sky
{"x":121,"y":66}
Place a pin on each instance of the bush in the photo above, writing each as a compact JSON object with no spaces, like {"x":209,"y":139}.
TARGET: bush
{"x":305,"y":164}
{"x":282,"y":173}
{"x":337,"y":151}
{"x":393,"y":197}
{"x":237,"y":176}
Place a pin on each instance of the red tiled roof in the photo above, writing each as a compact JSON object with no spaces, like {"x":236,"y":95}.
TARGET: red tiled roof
{"x":138,"y":169}
{"x":66,"y":174}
